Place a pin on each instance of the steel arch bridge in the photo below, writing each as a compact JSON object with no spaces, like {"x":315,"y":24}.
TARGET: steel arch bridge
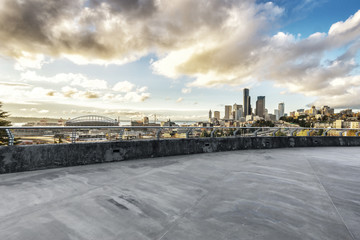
{"x":92,"y":120}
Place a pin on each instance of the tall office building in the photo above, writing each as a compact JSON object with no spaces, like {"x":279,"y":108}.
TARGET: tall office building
{"x":236,"y":106}
{"x":246,"y":102}
{"x":227,"y":112}
{"x":237,"y":112}
{"x":217,"y":115}
{"x":281,"y":109}
{"x":210,"y":114}
{"x":260,"y":106}
{"x":276,"y":113}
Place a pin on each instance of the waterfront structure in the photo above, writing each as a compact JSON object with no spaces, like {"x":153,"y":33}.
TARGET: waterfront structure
{"x":260,"y":106}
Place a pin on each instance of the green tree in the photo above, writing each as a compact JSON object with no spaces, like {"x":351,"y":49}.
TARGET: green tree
{"x":263,"y":123}
{"x":280,"y":134}
{"x":320,"y":132}
{"x":3,"y":122}
{"x":204,"y":133}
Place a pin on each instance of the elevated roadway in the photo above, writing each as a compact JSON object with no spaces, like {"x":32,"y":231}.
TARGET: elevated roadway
{"x":299,"y":193}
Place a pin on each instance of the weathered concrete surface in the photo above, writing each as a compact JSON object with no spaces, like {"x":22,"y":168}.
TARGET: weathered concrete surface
{"x":299,"y":193}
{"x":25,"y":158}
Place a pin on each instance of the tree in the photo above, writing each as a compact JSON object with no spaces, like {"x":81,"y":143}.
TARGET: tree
{"x":263,"y":123}
{"x":204,"y":133}
{"x":3,"y":122}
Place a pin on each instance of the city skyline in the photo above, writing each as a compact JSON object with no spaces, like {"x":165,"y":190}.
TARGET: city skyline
{"x":176,"y":59}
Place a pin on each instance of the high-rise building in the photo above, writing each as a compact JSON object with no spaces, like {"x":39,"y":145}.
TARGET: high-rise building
{"x":217,"y":115}
{"x":236,"y":111}
{"x":210,"y":114}
{"x":227,"y":112}
{"x":276,"y":113}
{"x":246,"y":102}
{"x":260,"y":106}
{"x":313,"y":111}
{"x":281,"y":109}
{"x":326,"y":110}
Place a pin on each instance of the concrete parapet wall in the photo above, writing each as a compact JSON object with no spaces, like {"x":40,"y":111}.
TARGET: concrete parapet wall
{"x":26,"y":158}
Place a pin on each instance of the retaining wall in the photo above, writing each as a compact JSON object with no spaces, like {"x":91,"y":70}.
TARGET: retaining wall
{"x":26,"y":158}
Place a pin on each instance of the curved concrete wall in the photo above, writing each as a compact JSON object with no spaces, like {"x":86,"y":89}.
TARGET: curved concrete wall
{"x":25,"y":158}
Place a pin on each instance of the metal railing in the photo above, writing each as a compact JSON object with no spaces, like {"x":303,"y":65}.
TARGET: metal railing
{"x":72,"y":134}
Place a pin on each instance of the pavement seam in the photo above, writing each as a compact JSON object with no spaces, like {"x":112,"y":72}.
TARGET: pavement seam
{"x":187,"y":211}
{"x":327,"y":194}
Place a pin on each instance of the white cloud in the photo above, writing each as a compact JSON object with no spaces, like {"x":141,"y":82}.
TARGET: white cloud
{"x":186,"y":90}
{"x":124,"y":86}
{"x":91,"y":84}
{"x":69,"y":91}
{"x":29,"y":60}
{"x":35,"y":110}
{"x":43,"y":111}
{"x":179,"y":100}
{"x":142,"y":89}
{"x":213,"y":42}
{"x":74,"y":79}
{"x":136,"y":97}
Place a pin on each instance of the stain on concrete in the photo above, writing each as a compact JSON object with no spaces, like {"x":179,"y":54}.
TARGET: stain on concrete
{"x":119,"y":205}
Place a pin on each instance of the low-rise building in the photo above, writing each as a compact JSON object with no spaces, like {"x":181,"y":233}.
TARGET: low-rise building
{"x":355,"y":125}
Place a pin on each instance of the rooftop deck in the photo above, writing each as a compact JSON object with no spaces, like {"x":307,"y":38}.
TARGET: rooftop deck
{"x":298,"y":193}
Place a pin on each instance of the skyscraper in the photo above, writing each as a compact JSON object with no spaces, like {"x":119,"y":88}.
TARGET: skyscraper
{"x":260,"y":106}
{"x":281,"y":109}
{"x":217,"y":115}
{"x":246,"y":101}
{"x":227,"y":112}
{"x":235,"y":111}
{"x":210,"y":114}
{"x":276,"y":113}
{"x":238,"y":113}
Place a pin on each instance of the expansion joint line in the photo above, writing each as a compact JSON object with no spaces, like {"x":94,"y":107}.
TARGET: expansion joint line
{"x":327,"y":194}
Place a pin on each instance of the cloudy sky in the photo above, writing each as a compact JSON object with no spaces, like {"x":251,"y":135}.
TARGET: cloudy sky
{"x":176,"y":58}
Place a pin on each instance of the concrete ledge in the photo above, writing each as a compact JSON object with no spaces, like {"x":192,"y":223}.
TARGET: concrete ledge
{"x":26,"y":158}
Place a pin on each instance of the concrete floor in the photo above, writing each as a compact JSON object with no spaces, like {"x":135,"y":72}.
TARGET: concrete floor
{"x":300,"y":193}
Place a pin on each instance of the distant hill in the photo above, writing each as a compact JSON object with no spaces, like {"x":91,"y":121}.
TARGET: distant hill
{"x":30,"y":119}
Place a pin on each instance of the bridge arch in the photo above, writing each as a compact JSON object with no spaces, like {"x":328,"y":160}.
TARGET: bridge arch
{"x":92,"y":120}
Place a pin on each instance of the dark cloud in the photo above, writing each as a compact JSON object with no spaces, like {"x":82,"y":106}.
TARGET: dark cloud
{"x":25,"y":24}
{"x":131,"y":8}
{"x":91,"y":95}
{"x":215,"y":42}
{"x":51,"y":93}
